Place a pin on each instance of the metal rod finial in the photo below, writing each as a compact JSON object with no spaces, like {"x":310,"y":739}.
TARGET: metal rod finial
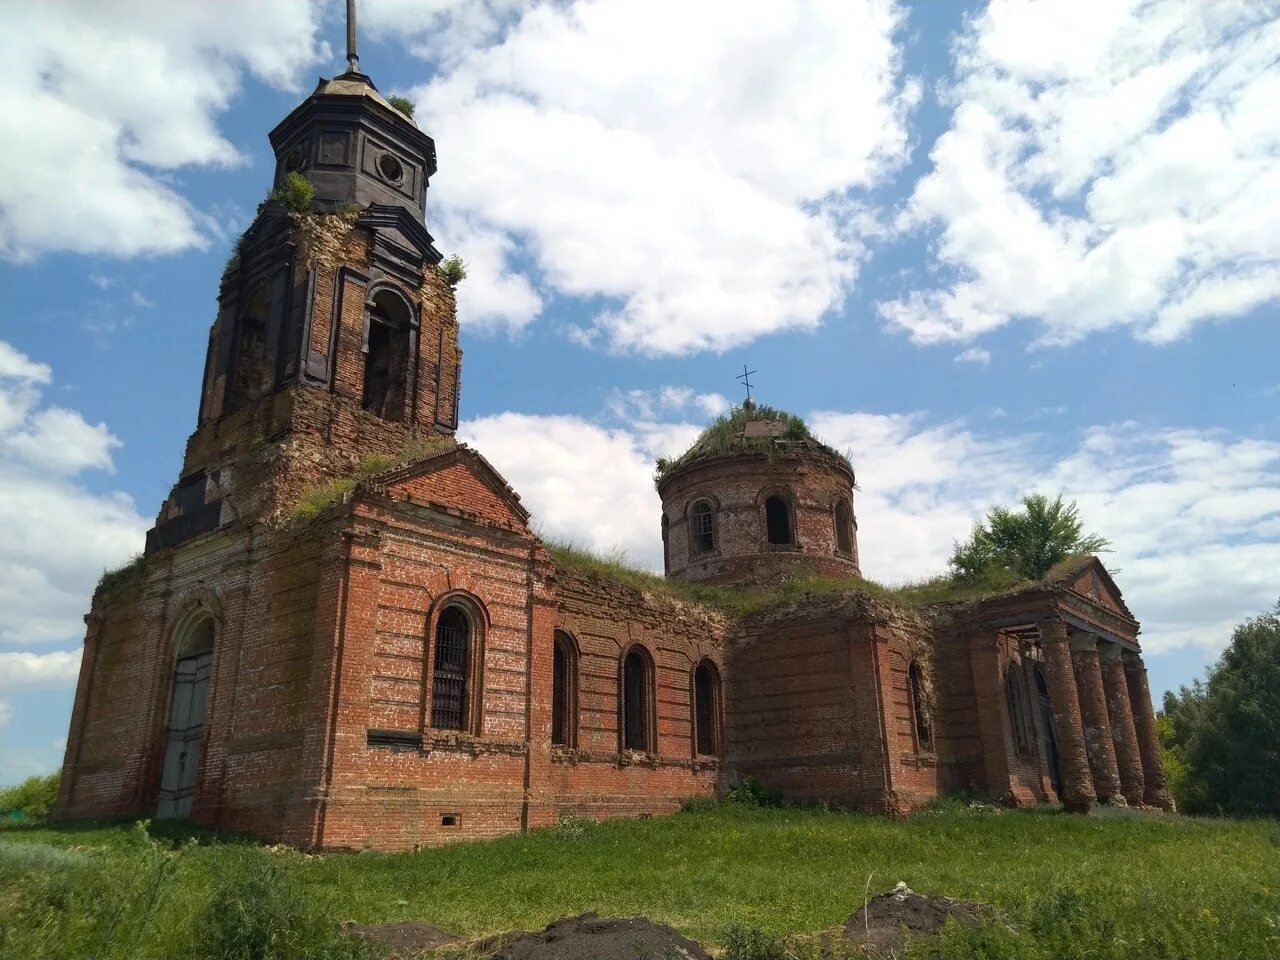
{"x":353,"y":56}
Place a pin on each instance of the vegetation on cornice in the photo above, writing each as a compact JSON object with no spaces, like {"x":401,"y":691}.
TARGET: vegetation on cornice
{"x":403,"y":104}
{"x":725,"y":435}
{"x":316,"y":498}
{"x":454,"y":270}
{"x":783,"y":590}
{"x":127,"y":574}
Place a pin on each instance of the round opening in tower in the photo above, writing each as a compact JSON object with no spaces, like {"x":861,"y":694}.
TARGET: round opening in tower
{"x":390,"y":168}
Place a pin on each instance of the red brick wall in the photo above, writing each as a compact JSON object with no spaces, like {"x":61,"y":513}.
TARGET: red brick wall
{"x":737,"y":486}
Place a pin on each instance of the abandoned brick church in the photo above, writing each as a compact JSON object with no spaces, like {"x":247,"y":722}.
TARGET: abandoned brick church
{"x":344,"y":634}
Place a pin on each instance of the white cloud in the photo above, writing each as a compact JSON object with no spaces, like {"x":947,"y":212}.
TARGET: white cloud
{"x":698,"y":197}
{"x":493,"y":296}
{"x":1108,"y":164}
{"x":102,"y":101}
{"x":1194,"y":515}
{"x":56,"y":536}
{"x":978,"y":355}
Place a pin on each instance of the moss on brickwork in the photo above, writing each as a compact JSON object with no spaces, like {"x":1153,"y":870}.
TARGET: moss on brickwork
{"x":725,"y":435}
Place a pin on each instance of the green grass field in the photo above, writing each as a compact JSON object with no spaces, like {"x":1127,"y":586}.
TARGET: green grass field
{"x":1108,"y":885}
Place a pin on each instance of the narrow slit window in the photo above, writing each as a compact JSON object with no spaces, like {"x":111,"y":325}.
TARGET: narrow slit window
{"x":844,"y":528}
{"x":777,"y":517}
{"x":635,"y":705}
{"x":706,"y":709}
{"x":452,"y":660}
{"x":564,"y":691}
{"x":919,"y":709}
{"x":702,"y":527}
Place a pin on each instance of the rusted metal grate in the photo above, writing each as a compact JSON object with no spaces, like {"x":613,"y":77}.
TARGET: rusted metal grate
{"x":449,"y":688}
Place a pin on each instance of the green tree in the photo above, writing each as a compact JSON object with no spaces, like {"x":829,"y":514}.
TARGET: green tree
{"x":1225,"y":732}
{"x":32,"y":798}
{"x":1023,"y":544}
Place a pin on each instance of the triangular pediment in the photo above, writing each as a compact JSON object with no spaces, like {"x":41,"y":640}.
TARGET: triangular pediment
{"x":1090,"y":579}
{"x":457,"y":481}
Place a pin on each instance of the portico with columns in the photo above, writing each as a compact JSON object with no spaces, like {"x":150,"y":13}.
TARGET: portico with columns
{"x":1063,"y":706}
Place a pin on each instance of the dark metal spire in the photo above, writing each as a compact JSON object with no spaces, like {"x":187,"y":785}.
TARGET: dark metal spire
{"x":353,"y":57}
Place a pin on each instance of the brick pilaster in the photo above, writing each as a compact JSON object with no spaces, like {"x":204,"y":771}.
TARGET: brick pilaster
{"x":1123,"y":733}
{"x":1077,"y":781}
{"x":1156,"y":791}
{"x":1097,"y":724}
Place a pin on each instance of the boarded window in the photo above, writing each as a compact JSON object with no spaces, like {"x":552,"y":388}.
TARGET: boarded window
{"x":919,"y":708}
{"x":844,"y":528}
{"x":452,"y":659}
{"x":777,"y":517}
{"x":184,"y":736}
{"x":635,"y":702}
{"x":386,"y":363}
{"x":1015,"y":693}
{"x":706,"y":708}
{"x":564,"y":689}
{"x":702,"y":527}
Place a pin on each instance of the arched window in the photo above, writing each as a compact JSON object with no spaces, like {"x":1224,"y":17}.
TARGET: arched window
{"x":1015,"y":693}
{"x":919,"y":709}
{"x":386,"y":361}
{"x":564,"y":691}
{"x":702,"y":527}
{"x":184,"y":736}
{"x":777,"y":517}
{"x":451,"y":670}
{"x":844,"y":528}
{"x":636,"y":715}
{"x":706,"y":709}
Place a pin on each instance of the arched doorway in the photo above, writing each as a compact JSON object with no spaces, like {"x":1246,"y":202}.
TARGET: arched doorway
{"x":1050,"y":741}
{"x":184,"y":738}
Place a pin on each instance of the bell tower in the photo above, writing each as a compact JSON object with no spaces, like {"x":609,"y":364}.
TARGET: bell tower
{"x":335,"y":346}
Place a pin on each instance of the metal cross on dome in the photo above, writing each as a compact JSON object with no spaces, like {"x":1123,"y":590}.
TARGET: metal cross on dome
{"x":745,"y":377}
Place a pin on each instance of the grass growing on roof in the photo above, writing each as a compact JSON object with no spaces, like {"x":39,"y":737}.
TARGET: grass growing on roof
{"x":789,"y":587}
{"x":724,"y":435}
{"x":1113,"y":886}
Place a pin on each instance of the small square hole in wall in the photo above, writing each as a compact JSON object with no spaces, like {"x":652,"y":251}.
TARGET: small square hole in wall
{"x":450,"y":820}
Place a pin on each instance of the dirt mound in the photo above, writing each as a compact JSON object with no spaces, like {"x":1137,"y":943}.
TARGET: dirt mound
{"x":404,"y":940}
{"x":592,"y":937}
{"x":888,"y":917}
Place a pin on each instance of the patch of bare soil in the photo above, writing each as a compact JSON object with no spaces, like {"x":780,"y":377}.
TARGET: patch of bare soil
{"x":887,"y":918}
{"x":592,"y":937}
{"x":408,"y":939}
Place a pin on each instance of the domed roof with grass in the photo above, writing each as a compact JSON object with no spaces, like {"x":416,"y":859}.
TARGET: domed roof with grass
{"x":749,"y":429}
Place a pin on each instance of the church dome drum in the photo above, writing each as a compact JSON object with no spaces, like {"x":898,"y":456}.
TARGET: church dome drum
{"x":757,"y":494}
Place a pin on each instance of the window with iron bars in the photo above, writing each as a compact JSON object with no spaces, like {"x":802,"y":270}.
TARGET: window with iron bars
{"x":449,"y":686}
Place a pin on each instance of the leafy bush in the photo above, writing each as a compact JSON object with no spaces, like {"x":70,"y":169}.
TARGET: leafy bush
{"x":454,"y":270}
{"x":403,"y":104}
{"x":256,"y":912}
{"x":296,"y":192}
{"x":752,"y":793}
{"x":751,"y":943}
{"x":703,"y":803}
{"x":33,"y":797}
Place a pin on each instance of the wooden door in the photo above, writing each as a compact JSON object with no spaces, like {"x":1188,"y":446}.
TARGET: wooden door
{"x":185,"y":736}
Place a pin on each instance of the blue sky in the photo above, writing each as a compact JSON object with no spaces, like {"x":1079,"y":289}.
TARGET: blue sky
{"x":984,"y":249}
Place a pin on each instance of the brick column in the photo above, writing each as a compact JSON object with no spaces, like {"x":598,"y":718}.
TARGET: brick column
{"x":1123,"y":733}
{"x":1097,"y":724}
{"x":1077,"y":781}
{"x":1156,"y":792}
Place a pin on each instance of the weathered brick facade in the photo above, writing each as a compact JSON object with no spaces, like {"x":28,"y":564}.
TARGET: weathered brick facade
{"x":344,"y":633}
